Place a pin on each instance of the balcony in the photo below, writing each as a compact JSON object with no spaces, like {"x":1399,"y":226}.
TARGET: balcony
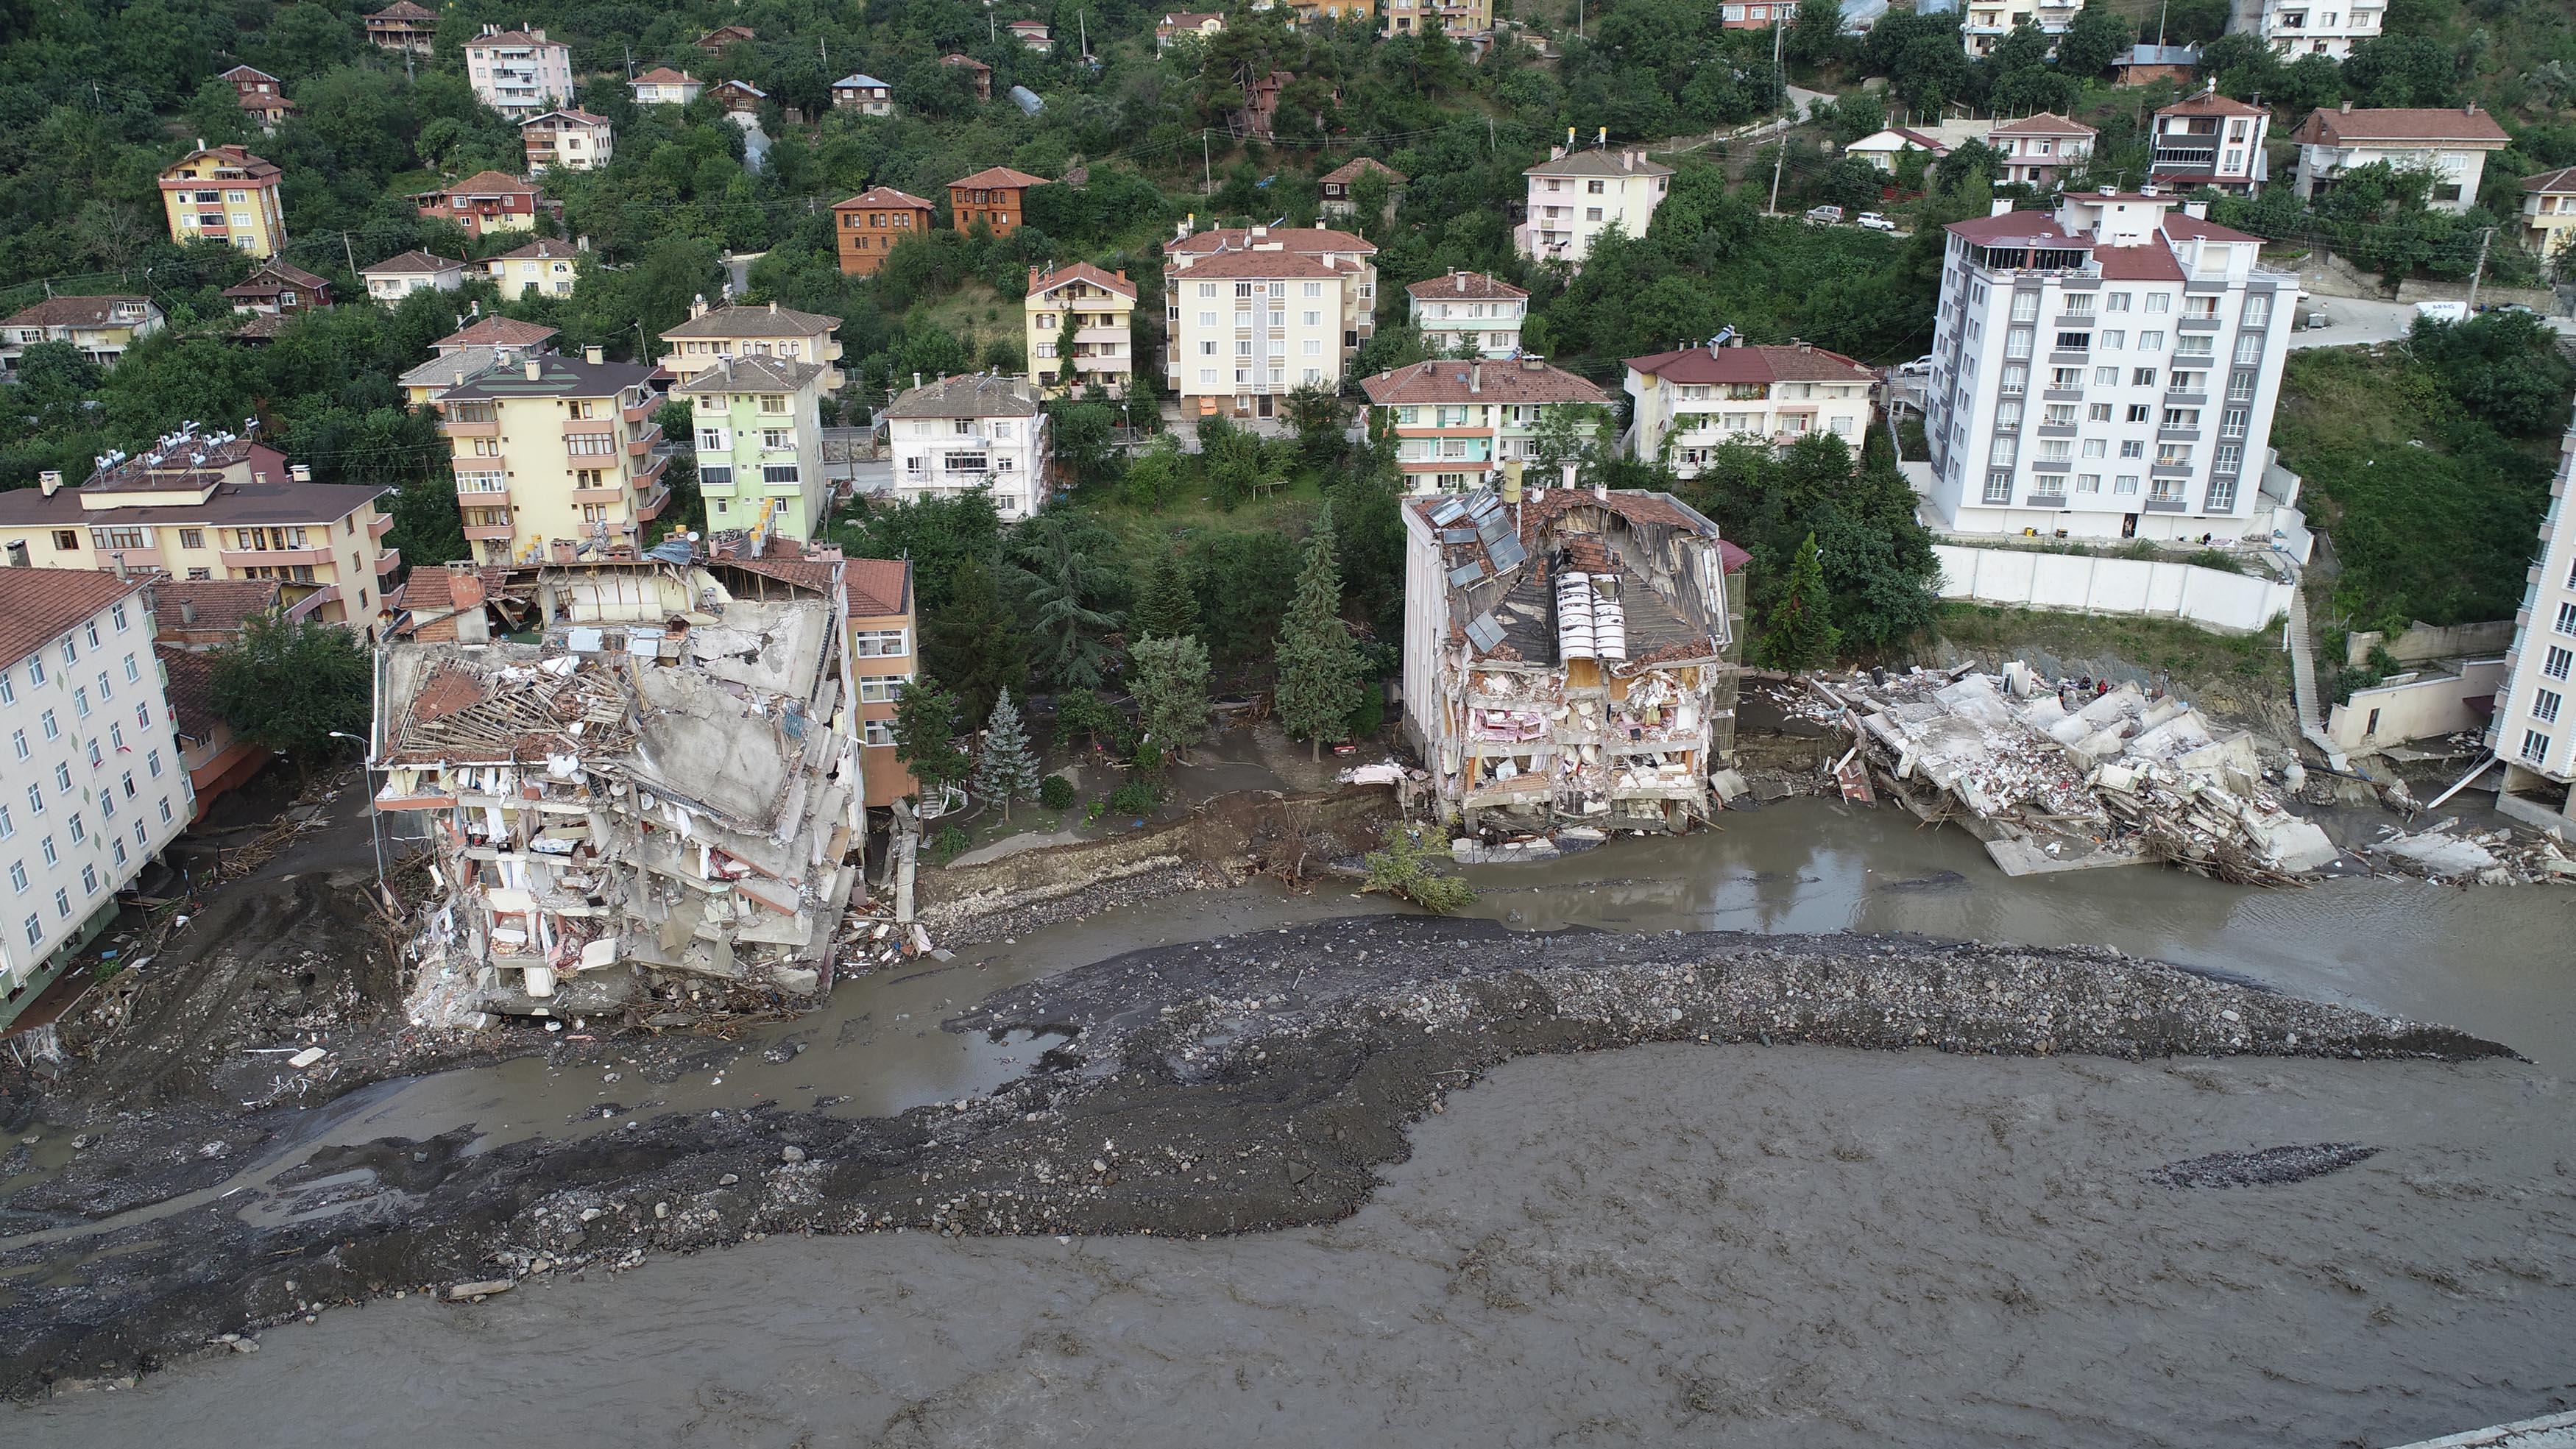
{"x":2198,"y":324}
{"x":470,"y":427}
{"x":2177,"y":435}
{"x":652,"y":471}
{"x":146,"y":557}
{"x":642,"y":443}
{"x":383,"y":524}
{"x":2167,"y":505}
{"x":2062,"y":394}
{"x":490,"y":532}
{"x":388,"y":561}
{"x":611,"y":494}
{"x":2057,"y":430}
{"x":245,"y":558}
{"x":636,"y":412}
{"x":575,"y":427}
{"x":650,"y":508}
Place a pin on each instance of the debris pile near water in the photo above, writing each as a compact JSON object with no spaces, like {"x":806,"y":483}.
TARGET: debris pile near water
{"x":2445,"y":854}
{"x":2267,"y":1167}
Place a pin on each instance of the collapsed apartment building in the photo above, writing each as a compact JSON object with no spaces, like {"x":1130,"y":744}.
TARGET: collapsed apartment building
{"x":1570,"y":657}
{"x":641,"y":777}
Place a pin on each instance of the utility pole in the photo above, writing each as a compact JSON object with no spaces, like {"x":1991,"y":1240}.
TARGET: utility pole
{"x":1207,"y":168}
{"x":1780,"y":155}
{"x":347,"y":255}
{"x":2485,"y":236}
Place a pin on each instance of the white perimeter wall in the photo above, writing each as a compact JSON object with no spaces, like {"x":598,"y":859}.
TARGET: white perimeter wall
{"x":2077,"y":583}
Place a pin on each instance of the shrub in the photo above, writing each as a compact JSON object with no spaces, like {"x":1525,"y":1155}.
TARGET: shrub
{"x":2215,"y":558}
{"x":1055,"y":792}
{"x":1136,"y":797}
{"x":950,"y":844}
{"x":1403,"y":868}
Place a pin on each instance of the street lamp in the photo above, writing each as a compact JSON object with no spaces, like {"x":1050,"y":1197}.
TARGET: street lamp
{"x":375,"y":818}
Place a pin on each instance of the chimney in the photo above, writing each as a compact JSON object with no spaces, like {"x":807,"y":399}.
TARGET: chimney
{"x":2347,"y":108}
{"x":595,"y":356}
{"x":697,"y":306}
{"x":2001,"y":206}
{"x":300,"y":472}
{"x":1556,"y":153}
{"x":51,"y":481}
{"x":1803,"y":344}
{"x":2196,"y":210}
{"x":536,"y":370}
{"x":1476,"y":376}
{"x":916,"y":382}
{"x":1628,"y":159}
{"x":120,"y":565}
{"x":773,"y":309}
{"x":187,"y":611}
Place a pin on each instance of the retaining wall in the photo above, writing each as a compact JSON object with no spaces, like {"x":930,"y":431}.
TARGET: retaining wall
{"x":2082,"y":584}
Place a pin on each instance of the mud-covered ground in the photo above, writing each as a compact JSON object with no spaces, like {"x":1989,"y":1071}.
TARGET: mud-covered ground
{"x":1260,"y":1081}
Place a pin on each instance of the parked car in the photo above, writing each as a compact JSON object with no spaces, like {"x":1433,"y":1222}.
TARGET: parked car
{"x":1919,"y":367}
{"x":1827,"y":214}
{"x":2443,"y":311}
{"x":1875,"y":222}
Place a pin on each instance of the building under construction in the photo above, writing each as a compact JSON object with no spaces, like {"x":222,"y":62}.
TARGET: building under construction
{"x":641,"y":779}
{"x":1570,"y":657}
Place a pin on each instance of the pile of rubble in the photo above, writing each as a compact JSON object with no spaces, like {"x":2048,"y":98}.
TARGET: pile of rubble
{"x":2446,"y":855}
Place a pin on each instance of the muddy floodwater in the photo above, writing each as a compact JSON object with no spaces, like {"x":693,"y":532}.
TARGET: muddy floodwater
{"x":1665,"y":1244}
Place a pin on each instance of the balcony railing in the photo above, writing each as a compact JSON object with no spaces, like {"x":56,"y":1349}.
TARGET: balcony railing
{"x":383,"y":524}
{"x":245,"y":558}
{"x":489,"y":531}
{"x":470,"y":427}
{"x":388,"y":561}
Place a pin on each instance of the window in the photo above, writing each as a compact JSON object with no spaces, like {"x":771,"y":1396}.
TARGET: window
{"x":2160,"y":301}
{"x":879,"y":643}
{"x":71,"y":652}
{"x":2113,"y":339}
{"x":2025,"y":307}
{"x":2222,"y":495}
{"x":2535,"y":746}
{"x":165,"y":811}
{"x":2555,"y":664}
{"x":2258,"y":310}
{"x":2007,"y":417}
{"x":105,"y":692}
{"x":1999,"y":486}
{"x":2095,"y":447}
{"x":8,"y":690}
{"x":2097,"y":412}
{"x":2249,"y":348}
{"x":2116,"y":302}
{"x":882,"y":689}
{"x":2138,"y":412}
{"x":2088,"y":482}
{"x":80,"y":830}
{"x":2102,"y":376}
{"x":143,"y":715}
{"x":2544,"y":706}
{"x":2074,"y":341}
{"x":35,"y":930}
{"x":2566,"y":625}
{"x":2125,"y":483}
{"x":45,"y":848}
{"x":8,"y":827}
{"x":876,"y":732}
{"x":2143,"y":377}
{"x":2016,"y":378}
{"x":18,"y":741}
{"x":80,"y":701}
{"x":18,"y":876}
{"x":2240,"y":388}
{"x":2151,"y":342}
{"x":192,"y":538}
{"x":2060,"y":415}
{"x":2003,"y":452}
{"x":2017,"y":343}
{"x":2055,"y":450}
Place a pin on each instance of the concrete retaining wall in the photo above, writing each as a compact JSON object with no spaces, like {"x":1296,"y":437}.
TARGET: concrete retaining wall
{"x":2327,"y":275}
{"x":2412,"y":709}
{"x":2423,"y":641}
{"x":2078,"y":583}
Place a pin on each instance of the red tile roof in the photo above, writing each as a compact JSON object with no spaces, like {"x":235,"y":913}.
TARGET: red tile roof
{"x":1283,"y":238}
{"x":1800,"y":363}
{"x":1447,"y":381}
{"x":2046,"y":123}
{"x":1001,"y":176}
{"x":2021,"y":226}
{"x":2468,"y":126}
{"x":38,"y":606}
{"x":190,"y":689}
{"x":2138,"y":264}
{"x":1261,"y":264}
{"x":885,"y":196}
{"x":663,"y":75}
{"x":1358,"y":166}
{"x":496,"y":332}
{"x":1470,"y":286}
{"x":878,"y":587}
{"x":2182,"y":226}
{"x":483,"y":183}
{"x":73,"y":311}
{"x":222,"y":606}
{"x":1080,"y":272}
{"x":412,"y":261}
{"x":2209,"y":103}
{"x":2562,"y":179}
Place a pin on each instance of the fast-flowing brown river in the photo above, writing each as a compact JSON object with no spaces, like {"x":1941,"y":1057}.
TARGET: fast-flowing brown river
{"x":1670,"y":1244}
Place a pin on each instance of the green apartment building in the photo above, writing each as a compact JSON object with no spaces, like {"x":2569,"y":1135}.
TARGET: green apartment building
{"x":758,"y":423}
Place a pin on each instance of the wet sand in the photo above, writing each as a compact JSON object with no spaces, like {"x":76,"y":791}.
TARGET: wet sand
{"x":1673,"y":1243}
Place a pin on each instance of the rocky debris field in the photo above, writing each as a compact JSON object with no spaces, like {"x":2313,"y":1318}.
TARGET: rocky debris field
{"x":2269,"y":1166}
{"x":1249,"y":1083}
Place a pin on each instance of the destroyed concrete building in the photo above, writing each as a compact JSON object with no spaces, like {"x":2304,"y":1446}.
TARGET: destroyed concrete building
{"x":1569,"y":657}
{"x":642,"y":781}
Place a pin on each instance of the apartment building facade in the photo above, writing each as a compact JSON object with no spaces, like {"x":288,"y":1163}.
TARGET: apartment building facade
{"x":2294,"y":28}
{"x":2535,"y":730}
{"x":519,"y":73}
{"x":1078,"y":319}
{"x":1253,"y":313}
{"x":2450,"y":143}
{"x":1451,"y":17}
{"x":1459,"y":424}
{"x":95,"y":785}
{"x":548,"y":266}
{"x":759,"y":443}
{"x":2109,"y":371}
{"x":2548,"y":213}
{"x":100,"y":328}
{"x":2042,"y":150}
{"x":1989,"y":21}
{"x":486,"y":203}
{"x":572,"y":139}
{"x":1468,"y":311}
{"x":1686,"y":405}
{"x":995,"y":197}
{"x":555,"y":451}
{"x":976,"y":430}
{"x":884,"y":652}
{"x":2210,"y":140}
{"x":201,"y":505}
{"x":874,"y":222}
{"x":769,"y":331}
{"x":225,"y":194}
{"x":1574,"y":196}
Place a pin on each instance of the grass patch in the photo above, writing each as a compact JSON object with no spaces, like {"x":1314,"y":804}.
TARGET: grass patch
{"x":2182,"y":650}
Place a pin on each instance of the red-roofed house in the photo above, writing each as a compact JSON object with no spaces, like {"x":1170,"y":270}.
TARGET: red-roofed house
{"x":1336,"y":186}
{"x":1177,"y":23}
{"x":1458,"y":423}
{"x":261,"y":95}
{"x":1468,"y":310}
{"x":1078,"y":320}
{"x":978,"y":74}
{"x":1298,"y":300}
{"x":872,"y":222}
{"x":2211,"y":140}
{"x":2549,"y":211}
{"x":2109,"y":371}
{"x":994,"y":196}
{"x":573,"y":139}
{"x":2452,"y":144}
{"x":403,"y":26}
{"x":1688,"y":404}
{"x":483,"y":203}
{"x":663,"y":86}
{"x":2040,"y":149}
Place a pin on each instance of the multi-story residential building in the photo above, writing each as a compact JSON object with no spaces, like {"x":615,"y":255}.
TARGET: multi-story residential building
{"x":1457,"y":424}
{"x":572,"y":139}
{"x":277,"y":289}
{"x":1252,"y":314}
{"x":202,"y":505}
{"x":714,"y":333}
{"x":1574,"y":196}
{"x":2210,"y":140}
{"x":518,"y":72}
{"x":190,"y":617}
{"x":1336,"y":185}
{"x":550,"y":267}
{"x":1989,"y":21}
{"x":2548,"y":212}
{"x":403,"y":26}
{"x":2451,"y":145}
{"x":2108,"y":371}
{"x":1035,"y":35}
{"x":1310,"y":12}
{"x":976,"y":430}
{"x":225,"y":194}
{"x":1569,"y":657}
{"x":2294,"y":28}
{"x":883,"y":655}
{"x":454,"y":367}
{"x":484,"y":204}
{"x":741,"y":101}
{"x":871,"y":223}
{"x":979,"y":76}
{"x":1455,"y":18}
{"x":95,"y":789}
{"x":1468,"y":311}
{"x":759,"y":443}
{"x":262,"y":96}
{"x":1758,"y":15}
{"x":1686,"y":405}
{"x":397,"y":277}
{"x":663,"y":86}
{"x":993,"y":197}
{"x":2535,"y":729}
{"x":1177,"y":23}
{"x":102,"y":328}
{"x":864,"y":94}
{"x":1078,"y":319}
{"x":555,"y":454}
{"x":2041,"y":150}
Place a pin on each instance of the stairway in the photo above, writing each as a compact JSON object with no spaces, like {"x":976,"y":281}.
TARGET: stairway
{"x":2303,"y":684}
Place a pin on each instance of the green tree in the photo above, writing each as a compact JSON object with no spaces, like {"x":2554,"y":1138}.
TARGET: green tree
{"x":1166,"y":608}
{"x":927,"y":719}
{"x":1157,"y":476}
{"x":1816,"y":37}
{"x":1319,"y":670}
{"x":1072,"y":582}
{"x":1321,"y":421}
{"x":1007,"y":768}
{"x":1083,"y":712}
{"x":2093,"y":39}
{"x":290,"y":684}
{"x":938,"y":534}
{"x":1169,"y":678}
{"x":1801,"y":634}
{"x":973,"y":644}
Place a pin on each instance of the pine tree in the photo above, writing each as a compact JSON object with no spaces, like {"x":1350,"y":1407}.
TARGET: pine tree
{"x":973,"y":644}
{"x":1319,"y":670}
{"x":925,"y":736}
{"x":1168,"y":608}
{"x":1170,"y":679}
{"x":1801,"y":633}
{"x":1007,"y":767}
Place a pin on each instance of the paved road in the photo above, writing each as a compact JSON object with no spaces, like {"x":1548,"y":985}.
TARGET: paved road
{"x":2354,"y":321}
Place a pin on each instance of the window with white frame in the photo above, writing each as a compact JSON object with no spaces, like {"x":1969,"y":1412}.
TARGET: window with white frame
{"x":877,"y":731}
{"x":880,"y":643}
{"x":2544,"y":705}
{"x":1999,"y":486}
{"x":2535,"y":746}
{"x":2554,"y":664}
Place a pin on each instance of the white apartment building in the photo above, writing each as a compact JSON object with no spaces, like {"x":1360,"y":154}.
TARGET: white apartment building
{"x":975,"y":430}
{"x":2041,"y":150}
{"x":519,"y":73}
{"x":1252,"y":314}
{"x":2535,"y":729}
{"x":1686,"y":405}
{"x":2450,"y":143}
{"x":2210,"y":140}
{"x":2294,"y":28}
{"x":1459,"y":423}
{"x":1574,"y":196}
{"x":1989,"y":21}
{"x":397,"y":277}
{"x":2106,"y":372}
{"x":1468,"y":311}
{"x":95,"y":786}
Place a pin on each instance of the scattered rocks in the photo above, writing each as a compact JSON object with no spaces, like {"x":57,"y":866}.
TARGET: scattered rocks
{"x":2271,"y":1165}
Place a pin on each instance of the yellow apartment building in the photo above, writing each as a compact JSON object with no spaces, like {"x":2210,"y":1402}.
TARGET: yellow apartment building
{"x":1078,"y":320}
{"x":225,"y":194}
{"x":714,"y":333}
{"x":552,"y":450}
